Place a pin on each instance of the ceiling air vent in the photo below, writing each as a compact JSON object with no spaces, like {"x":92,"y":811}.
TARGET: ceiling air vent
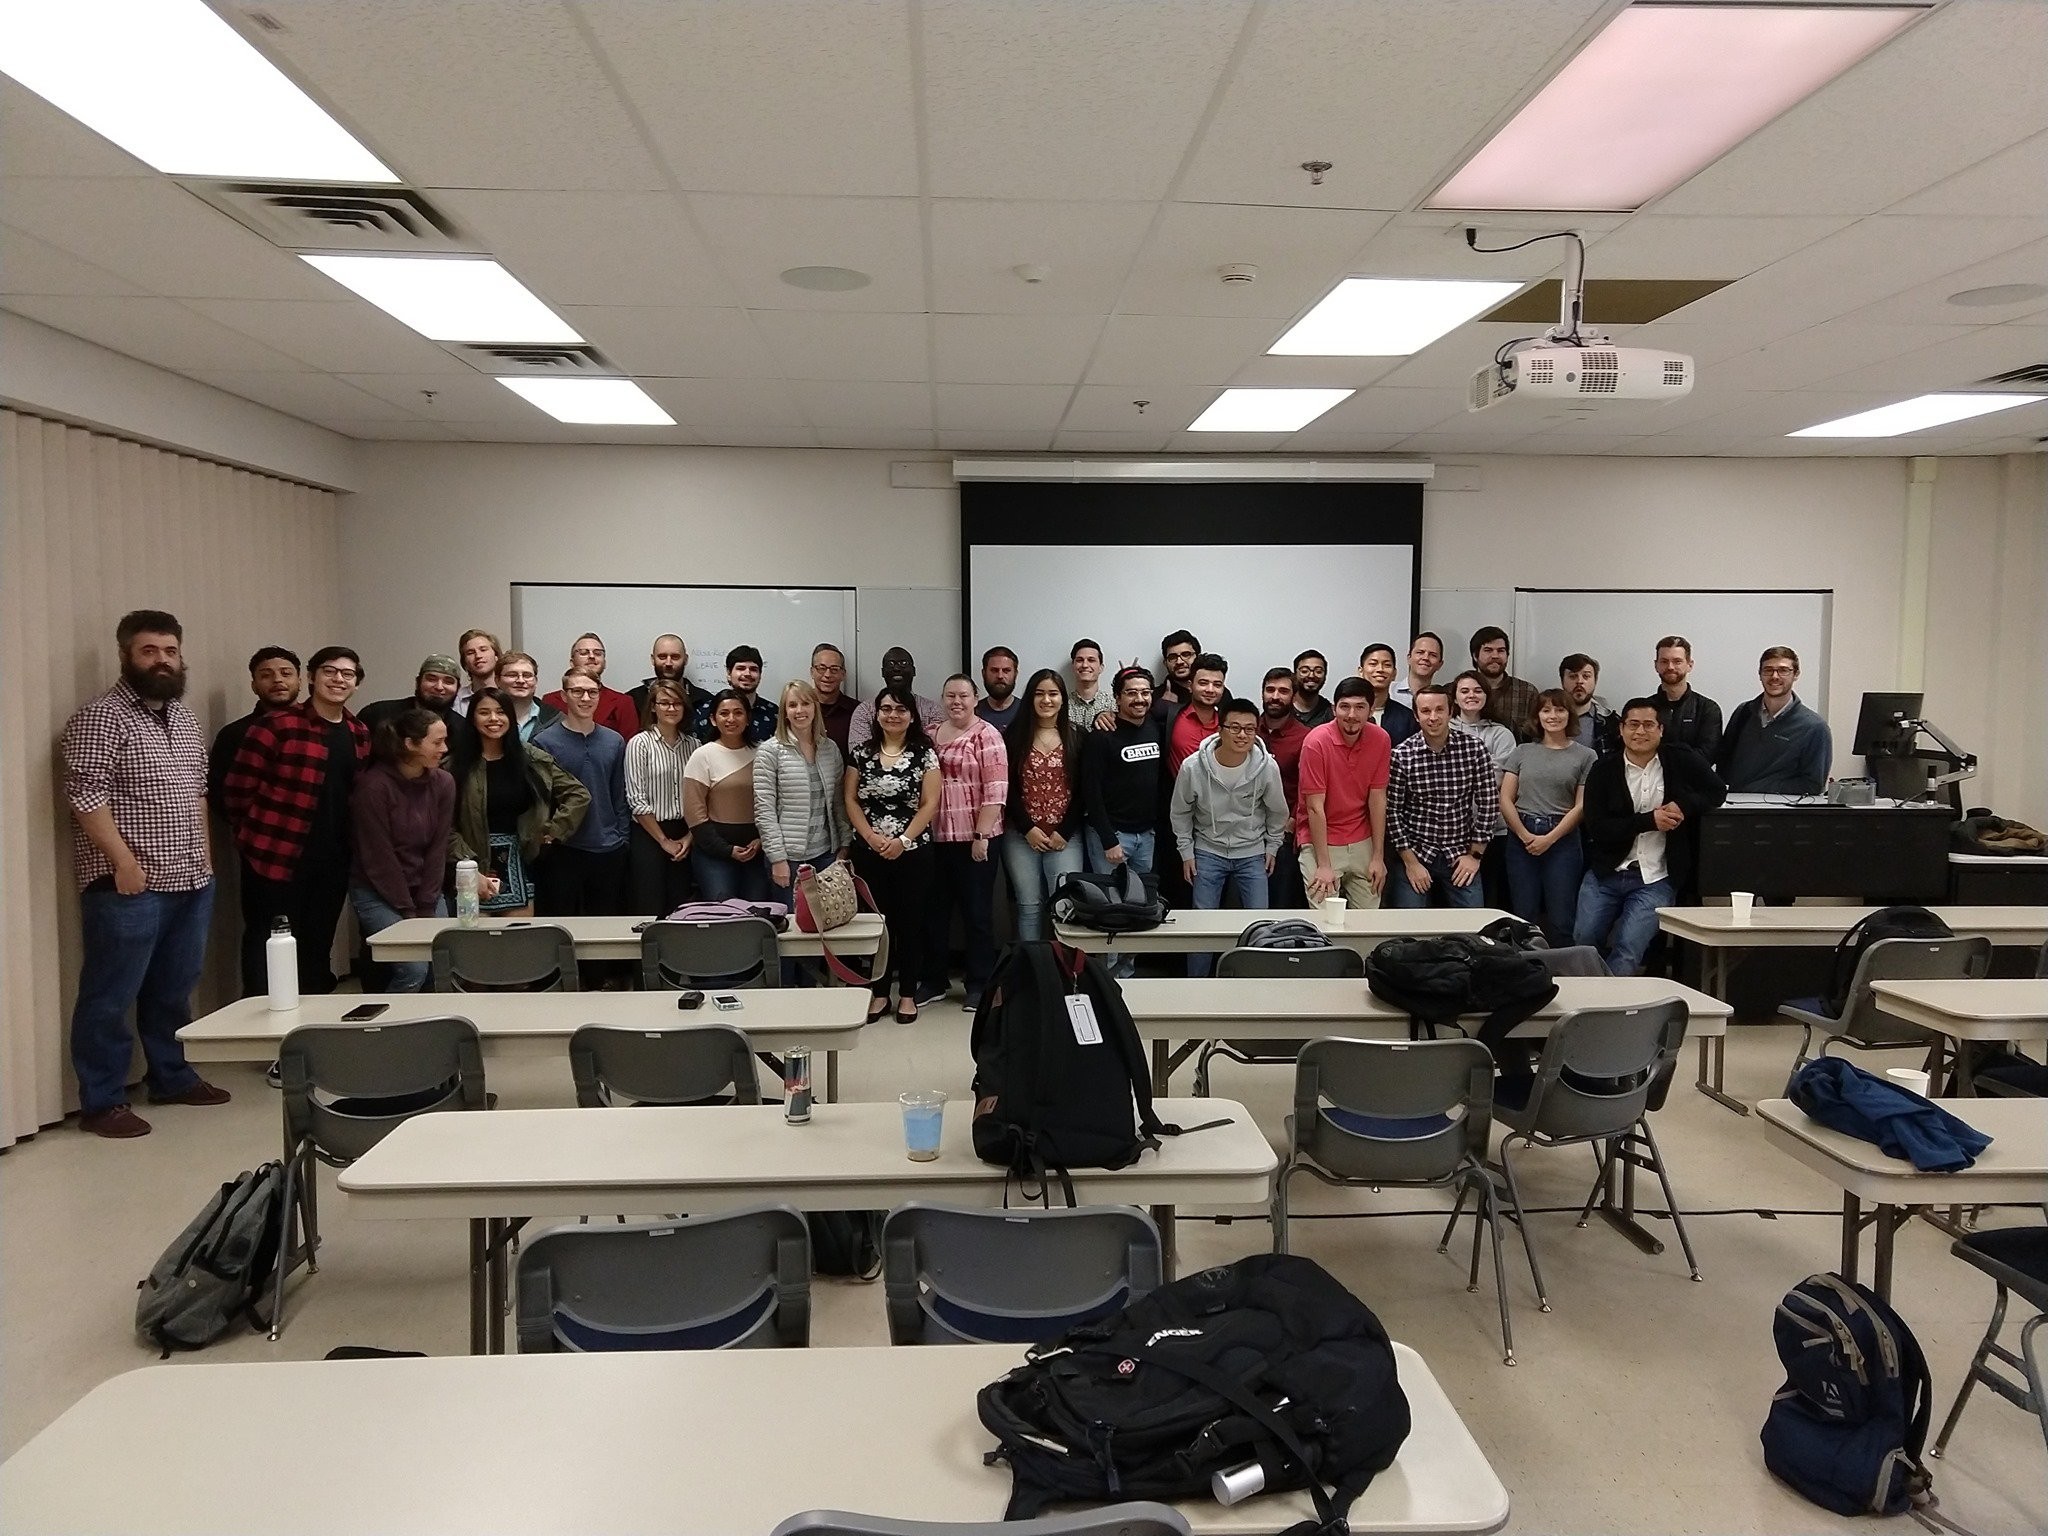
{"x":329,"y":217}
{"x":503,"y":360}
{"x":2033,"y":373}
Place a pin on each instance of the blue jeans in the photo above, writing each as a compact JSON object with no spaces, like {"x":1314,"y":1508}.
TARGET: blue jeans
{"x":1032,"y":877}
{"x":146,"y":952}
{"x":1217,"y":877}
{"x":373,"y":916}
{"x":1441,"y":892}
{"x":1137,"y":847}
{"x":720,"y":879}
{"x":1545,"y":888}
{"x":1618,"y":915}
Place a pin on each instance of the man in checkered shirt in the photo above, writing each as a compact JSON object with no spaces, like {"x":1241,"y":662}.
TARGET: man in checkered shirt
{"x":1443,"y":807}
{"x":135,"y":775}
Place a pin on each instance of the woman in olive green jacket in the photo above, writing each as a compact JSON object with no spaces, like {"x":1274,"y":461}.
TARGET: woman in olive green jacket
{"x":511,"y":801}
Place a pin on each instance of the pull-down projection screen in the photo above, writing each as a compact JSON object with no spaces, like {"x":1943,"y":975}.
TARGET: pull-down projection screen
{"x":1258,"y":571}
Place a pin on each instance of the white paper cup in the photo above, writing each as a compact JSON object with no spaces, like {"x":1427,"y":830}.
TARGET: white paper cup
{"x":1333,"y":910}
{"x":1909,"y":1078}
{"x":1741,"y":904}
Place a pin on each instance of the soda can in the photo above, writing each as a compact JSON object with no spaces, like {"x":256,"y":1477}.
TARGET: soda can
{"x":796,"y":1086}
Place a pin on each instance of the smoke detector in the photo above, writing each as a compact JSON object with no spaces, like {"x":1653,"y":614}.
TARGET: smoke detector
{"x":1238,"y":272}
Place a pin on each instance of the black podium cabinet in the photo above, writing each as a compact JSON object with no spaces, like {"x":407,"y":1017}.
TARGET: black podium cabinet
{"x":1876,"y":853}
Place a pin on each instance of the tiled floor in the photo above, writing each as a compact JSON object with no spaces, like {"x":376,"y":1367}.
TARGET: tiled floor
{"x":1634,"y":1407}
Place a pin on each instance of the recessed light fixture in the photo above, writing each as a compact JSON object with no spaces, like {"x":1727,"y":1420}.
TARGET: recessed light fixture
{"x":826,"y":279}
{"x":1916,"y":415}
{"x":1663,"y":92}
{"x":179,"y":89}
{"x":1387,"y":316}
{"x":592,"y":402}
{"x":1998,"y":294}
{"x":449,"y":298}
{"x":1266,"y":410}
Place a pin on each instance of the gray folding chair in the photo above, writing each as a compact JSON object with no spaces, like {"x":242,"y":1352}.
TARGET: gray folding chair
{"x":537,"y":958}
{"x":1138,"y":1519}
{"x":2016,"y":1259}
{"x":727,"y":953}
{"x":739,"y":1280}
{"x":1863,"y":1024}
{"x":1407,"y":1114}
{"x":693,"y":1064}
{"x":959,"y":1275}
{"x":1602,"y":1071}
{"x":1335,"y":962}
{"x":345,"y":1087}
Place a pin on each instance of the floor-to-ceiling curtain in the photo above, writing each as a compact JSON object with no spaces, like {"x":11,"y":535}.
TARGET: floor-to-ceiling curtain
{"x":92,"y":526}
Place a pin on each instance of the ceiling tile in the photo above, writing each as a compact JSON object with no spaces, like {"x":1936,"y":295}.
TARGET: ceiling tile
{"x":1928,"y":303}
{"x":1013,"y":349}
{"x":978,"y":245}
{"x":396,"y":430}
{"x":159,"y":331}
{"x":29,"y":265}
{"x":718,"y":404}
{"x":1389,"y":94}
{"x":810,"y":344}
{"x":901,"y":440}
{"x":37,"y":139}
{"x":1383,"y":410}
{"x":1954,"y":364}
{"x":1226,"y":442}
{"x":993,"y":440}
{"x":460,"y":399}
{"x":1262,"y":372}
{"x":857,"y":407}
{"x":1299,"y":252}
{"x":681,"y":343}
{"x":1145,"y":349}
{"x":1088,"y":99}
{"x":349,"y":336}
{"x":759,"y":238}
{"x":595,"y":247}
{"x":1000,"y":407}
{"x":1655,"y":245}
{"x":1832,"y":347}
{"x":1104,"y":408}
{"x":2012,"y":182}
{"x":1452,"y":361}
{"x":802,"y":96}
{"x":765,"y":437}
{"x":316,"y":397}
{"x":1067,"y":441}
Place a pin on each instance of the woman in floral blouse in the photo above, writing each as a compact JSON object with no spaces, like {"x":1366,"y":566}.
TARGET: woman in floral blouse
{"x":892,"y":797}
{"x":1044,"y":837}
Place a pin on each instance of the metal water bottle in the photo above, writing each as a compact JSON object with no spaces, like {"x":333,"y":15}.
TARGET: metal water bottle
{"x":796,"y":1086}
{"x":281,"y":963}
{"x":466,"y":906}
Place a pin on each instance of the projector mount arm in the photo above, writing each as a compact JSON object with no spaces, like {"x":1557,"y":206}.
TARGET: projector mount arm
{"x":1569,"y":330}
{"x":1965,"y":763}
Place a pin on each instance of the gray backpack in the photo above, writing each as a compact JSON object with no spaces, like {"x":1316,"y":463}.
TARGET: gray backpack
{"x":218,"y":1266}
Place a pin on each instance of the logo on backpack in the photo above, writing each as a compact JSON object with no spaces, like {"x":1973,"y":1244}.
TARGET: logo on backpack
{"x":1173,"y":1333}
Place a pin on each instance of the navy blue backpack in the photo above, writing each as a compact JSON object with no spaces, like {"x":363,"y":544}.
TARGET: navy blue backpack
{"x":1847,"y":1428}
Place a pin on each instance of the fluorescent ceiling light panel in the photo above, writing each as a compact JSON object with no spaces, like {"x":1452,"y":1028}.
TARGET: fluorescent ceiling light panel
{"x":1387,"y":316}
{"x":450,"y":298}
{"x":1266,"y":410}
{"x":178,"y":88}
{"x":1916,"y":415}
{"x":592,"y":402}
{"x":1659,"y":95}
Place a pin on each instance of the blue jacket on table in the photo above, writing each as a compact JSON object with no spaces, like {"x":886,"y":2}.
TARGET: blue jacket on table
{"x":1843,"y":1097}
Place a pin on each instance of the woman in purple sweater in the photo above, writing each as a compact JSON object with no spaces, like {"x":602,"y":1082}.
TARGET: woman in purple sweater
{"x":401,"y":814}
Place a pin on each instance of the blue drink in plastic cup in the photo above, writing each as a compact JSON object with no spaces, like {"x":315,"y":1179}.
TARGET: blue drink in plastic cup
{"x":924,"y":1118}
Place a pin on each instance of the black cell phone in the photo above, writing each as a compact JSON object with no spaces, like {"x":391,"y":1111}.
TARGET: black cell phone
{"x":691,"y":999}
{"x":363,"y":1012}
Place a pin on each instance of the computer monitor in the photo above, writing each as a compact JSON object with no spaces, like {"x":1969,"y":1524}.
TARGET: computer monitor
{"x":1877,"y":723}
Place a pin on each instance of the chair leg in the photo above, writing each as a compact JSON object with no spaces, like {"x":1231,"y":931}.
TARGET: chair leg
{"x":291,"y":1213}
{"x":309,"y":1194}
{"x":1490,"y":1206}
{"x":1948,"y":1425}
{"x":1670,"y":1199}
{"x":1805,"y":1054}
{"x":1280,"y":1207}
{"x":1444,"y":1243}
{"x":1202,"y":1071}
{"x":1507,"y":1170}
{"x":1602,"y":1154}
{"x":2037,"y":1388}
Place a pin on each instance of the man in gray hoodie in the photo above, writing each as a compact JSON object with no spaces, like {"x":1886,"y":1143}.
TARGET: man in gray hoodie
{"x":1229,"y":815}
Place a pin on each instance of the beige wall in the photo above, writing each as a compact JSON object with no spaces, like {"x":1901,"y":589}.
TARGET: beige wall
{"x":94,"y":526}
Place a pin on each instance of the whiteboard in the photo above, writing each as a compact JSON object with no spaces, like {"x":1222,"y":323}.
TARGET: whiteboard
{"x":1256,"y":605}
{"x":782,"y":622}
{"x":1729,"y":630}
{"x":1454,"y":614}
{"x":925,"y":621}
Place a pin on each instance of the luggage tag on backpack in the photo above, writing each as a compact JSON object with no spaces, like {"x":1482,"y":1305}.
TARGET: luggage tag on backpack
{"x":1081,"y":1014}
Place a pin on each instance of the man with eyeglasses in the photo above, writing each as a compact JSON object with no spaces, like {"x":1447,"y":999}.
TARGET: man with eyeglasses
{"x":1178,"y":650}
{"x":1229,"y":816}
{"x":615,"y":710}
{"x":287,"y":799}
{"x":1640,"y":802}
{"x":835,"y":704}
{"x":519,"y":677}
{"x":1311,"y":671}
{"x":1341,"y":819}
{"x":585,"y":875}
{"x":669,"y":661}
{"x":1774,"y":744}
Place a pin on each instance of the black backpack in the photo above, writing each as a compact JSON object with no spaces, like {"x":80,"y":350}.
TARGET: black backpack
{"x":218,"y":1266}
{"x":1884,"y":923}
{"x":1847,"y":1428}
{"x":1283,"y":933}
{"x":1436,"y":981}
{"x":1050,"y":1092}
{"x":1267,"y":1360}
{"x":1123,"y":901}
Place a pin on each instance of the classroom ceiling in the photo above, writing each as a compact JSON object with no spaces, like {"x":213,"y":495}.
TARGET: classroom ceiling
{"x":651,"y":168}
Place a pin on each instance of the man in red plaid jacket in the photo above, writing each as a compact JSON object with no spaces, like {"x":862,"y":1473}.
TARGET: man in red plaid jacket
{"x":287,"y":796}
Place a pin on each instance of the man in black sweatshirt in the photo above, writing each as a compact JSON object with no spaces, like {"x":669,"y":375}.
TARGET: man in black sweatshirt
{"x":1122,"y":770}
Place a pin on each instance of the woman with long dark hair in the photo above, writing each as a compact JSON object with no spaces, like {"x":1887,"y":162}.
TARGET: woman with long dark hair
{"x":1044,"y":839}
{"x":511,"y":801}
{"x":892,"y":796}
{"x":718,"y":802}
{"x":401,"y":813}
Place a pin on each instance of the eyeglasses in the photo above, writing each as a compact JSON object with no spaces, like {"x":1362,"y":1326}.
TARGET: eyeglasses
{"x":339,"y":674}
{"x":581,"y":693}
{"x":1778,"y":671}
{"x":826,"y":669}
{"x":1242,"y":728}
{"x":1639,"y":725}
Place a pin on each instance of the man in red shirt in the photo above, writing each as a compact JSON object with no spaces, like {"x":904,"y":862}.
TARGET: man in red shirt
{"x":614,"y":709}
{"x":1341,"y":824}
{"x":1197,"y":720}
{"x":1281,"y":731}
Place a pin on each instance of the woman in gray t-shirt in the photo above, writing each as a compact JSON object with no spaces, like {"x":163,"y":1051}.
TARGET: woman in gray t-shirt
{"x":1542,"y":797}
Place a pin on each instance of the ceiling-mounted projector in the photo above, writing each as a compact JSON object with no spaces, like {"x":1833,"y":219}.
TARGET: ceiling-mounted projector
{"x":1582,"y":375}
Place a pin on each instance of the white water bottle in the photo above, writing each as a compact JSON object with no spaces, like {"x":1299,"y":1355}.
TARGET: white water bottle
{"x":281,"y":958}
{"x":466,"y":892}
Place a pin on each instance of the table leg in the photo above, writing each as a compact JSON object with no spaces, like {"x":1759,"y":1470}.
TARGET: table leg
{"x":1169,"y":1249}
{"x":1852,"y":1230}
{"x":1161,"y":1070}
{"x":1888,"y":1219}
{"x":1714,"y":972}
{"x":1963,"y":1083}
{"x":1622,"y":1217}
{"x":479,"y":1287}
{"x":831,"y":1077}
{"x":501,"y":1275}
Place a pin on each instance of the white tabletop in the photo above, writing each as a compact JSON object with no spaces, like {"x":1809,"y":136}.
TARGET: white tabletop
{"x":2013,"y":1170}
{"x":1809,"y":926}
{"x":612,"y":938}
{"x":540,"y":1023}
{"x":670,"y":1443}
{"x":2023,"y":860}
{"x":1206,"y":930}
{"x":584,"y":1162}
{"x":1980,"y":1008}
{"x":1255,"y":1008}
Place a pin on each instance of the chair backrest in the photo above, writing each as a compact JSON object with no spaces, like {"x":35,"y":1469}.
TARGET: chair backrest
{"x":1599,"y":1068}
{"x":1573,"y":960}
{"x":536,"y":958}
{"x":741,"y":1279}
{"x":1906,"y":960}
{"x":1138,"y":1519}
{"x":1392,"y":1111}
{"x":691,"y":1064}
{"x":1335,"y":962}
{"x":347,"y":1085}
{"x":959,"y":1275}
{"x":727,"y":953}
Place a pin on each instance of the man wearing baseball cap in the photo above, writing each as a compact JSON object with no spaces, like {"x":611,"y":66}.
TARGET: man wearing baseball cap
{"x":439,"y":678}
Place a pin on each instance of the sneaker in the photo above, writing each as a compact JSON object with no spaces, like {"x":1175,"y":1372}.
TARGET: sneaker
{"x":930,"y":994}
{"x":274,"y":1075}
{"x":201,"y":1093}
{"x":117,"y":1124}
{"x":971,"y":1002}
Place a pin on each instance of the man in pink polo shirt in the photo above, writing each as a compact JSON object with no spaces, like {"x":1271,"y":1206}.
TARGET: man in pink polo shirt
{"x":1341,"y":822}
